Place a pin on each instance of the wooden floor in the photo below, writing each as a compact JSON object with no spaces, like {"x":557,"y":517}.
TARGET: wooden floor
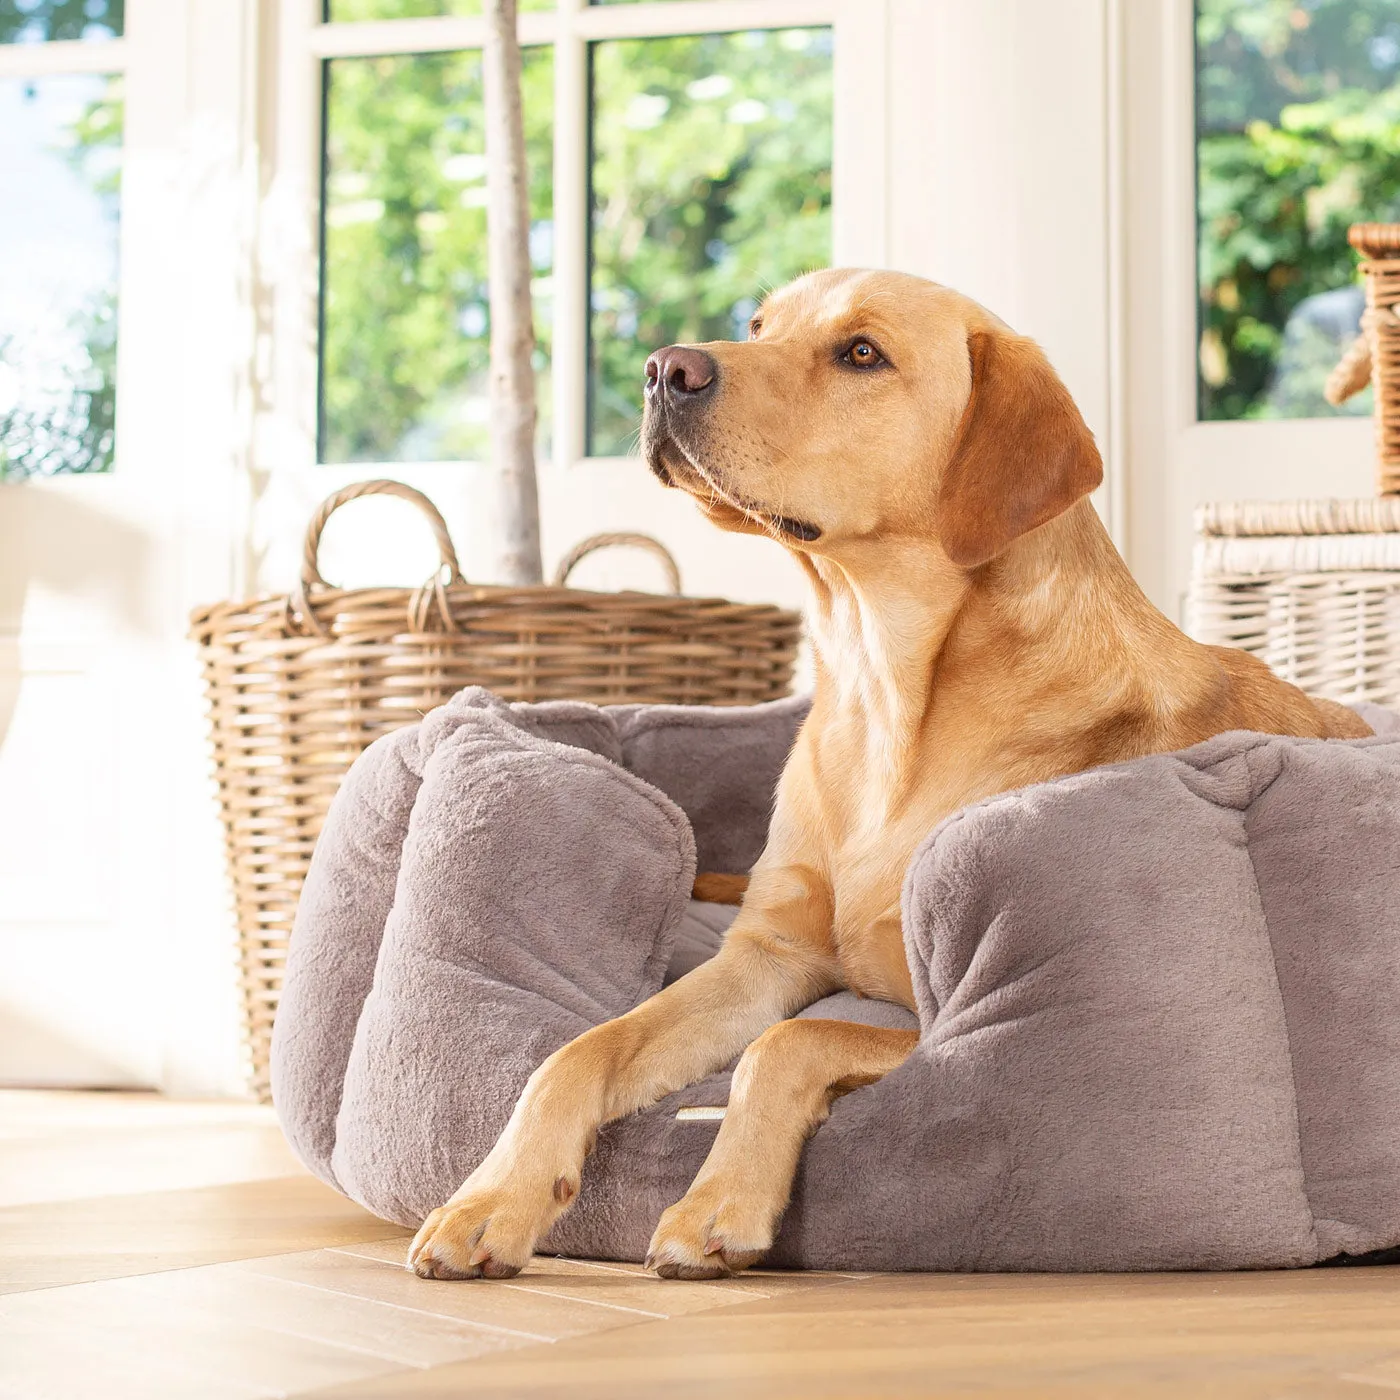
{"x":154,"y":1249}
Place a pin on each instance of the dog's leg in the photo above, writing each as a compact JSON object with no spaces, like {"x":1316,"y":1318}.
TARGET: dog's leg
{"x":770,"y":965}
{"x":719,"y":889}
{"x":782,"y":1091}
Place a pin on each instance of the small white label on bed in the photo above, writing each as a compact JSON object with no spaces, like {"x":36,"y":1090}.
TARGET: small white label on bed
{"x":699,"y":1115}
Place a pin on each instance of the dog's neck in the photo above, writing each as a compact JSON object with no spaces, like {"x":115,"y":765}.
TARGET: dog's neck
{"x":900,"y":632}
{"x":879,"y":619}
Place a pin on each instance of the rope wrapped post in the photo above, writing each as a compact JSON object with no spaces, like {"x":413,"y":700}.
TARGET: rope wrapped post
{"x":1375,"y":356}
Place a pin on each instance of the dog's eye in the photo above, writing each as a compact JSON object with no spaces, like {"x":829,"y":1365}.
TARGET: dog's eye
{"x":863,"y":355}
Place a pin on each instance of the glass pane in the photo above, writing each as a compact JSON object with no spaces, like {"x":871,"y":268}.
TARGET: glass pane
{"x":404,"y":315}
{"x":33,"y":21}
{"x":1298,"y":136}
{"x":711,"y":182}
{"x":60,"y":170}
{"x":410,"y":9}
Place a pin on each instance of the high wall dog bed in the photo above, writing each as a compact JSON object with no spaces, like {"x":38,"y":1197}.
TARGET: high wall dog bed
{"x":1159,"y":1001}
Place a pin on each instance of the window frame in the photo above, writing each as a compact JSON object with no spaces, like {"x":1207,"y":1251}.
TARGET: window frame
{"x":49,"y":58}
{"x":305,"y":43}
{"x":1174,"y":460}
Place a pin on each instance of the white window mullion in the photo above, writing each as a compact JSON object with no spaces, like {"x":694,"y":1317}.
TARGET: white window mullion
{"x":571,"y":215}
{"x":55,"y":56}
{"x":674,"y":17}
{"x":444,"y":34}
{"x":447,"y":33}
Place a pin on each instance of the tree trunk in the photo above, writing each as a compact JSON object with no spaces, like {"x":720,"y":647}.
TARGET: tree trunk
{"x":512,"y":323}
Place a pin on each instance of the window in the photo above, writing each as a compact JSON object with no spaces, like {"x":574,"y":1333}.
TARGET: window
{"x":691,"y":171}
{"x":1298,"y":136}
{"x":60,"y":165}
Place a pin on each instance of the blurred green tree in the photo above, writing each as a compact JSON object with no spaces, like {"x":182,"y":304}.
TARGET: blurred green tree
{"x":711,"y":184}
{"x":65,"y":423}
{"x":33,"y":20}
{"x":405,"y":330}
{"x":1298,"y":136}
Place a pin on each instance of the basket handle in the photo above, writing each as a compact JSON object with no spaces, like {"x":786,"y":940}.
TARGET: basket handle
{"x":607,"y":541}
{"x":311,"y":549}
{"x":298,"y":604}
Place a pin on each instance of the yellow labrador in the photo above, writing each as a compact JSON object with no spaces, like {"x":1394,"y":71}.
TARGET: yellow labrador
{"x":974,"y":630}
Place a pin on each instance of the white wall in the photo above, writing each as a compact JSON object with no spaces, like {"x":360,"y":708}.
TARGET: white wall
{"x":1000,"y":135}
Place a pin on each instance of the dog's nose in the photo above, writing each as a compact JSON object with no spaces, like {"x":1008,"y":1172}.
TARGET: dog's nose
{"x":679,"y":371}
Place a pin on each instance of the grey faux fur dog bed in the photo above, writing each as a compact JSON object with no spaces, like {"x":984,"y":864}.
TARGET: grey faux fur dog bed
{"x":1160,"y":1001}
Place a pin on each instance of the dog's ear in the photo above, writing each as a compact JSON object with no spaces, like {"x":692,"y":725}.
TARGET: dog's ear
{"x":1022,"y":454}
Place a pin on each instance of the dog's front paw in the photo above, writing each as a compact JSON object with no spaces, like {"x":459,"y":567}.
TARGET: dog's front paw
{"x":710,"y":1233}
{"x":487,"y":1233}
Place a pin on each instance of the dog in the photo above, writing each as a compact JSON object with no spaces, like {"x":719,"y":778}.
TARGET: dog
{"x":974,"y":630}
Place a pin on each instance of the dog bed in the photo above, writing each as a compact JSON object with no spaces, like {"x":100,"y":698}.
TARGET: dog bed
{"x":1159,"y":1001}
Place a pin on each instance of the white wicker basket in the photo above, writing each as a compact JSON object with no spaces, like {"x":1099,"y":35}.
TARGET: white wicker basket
{"x":1311,"y":587}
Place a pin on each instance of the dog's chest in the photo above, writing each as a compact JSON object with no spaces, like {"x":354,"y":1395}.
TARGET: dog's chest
{"x":878,"y":801}
{"x":868,"y":877}
{"x":873,"y":833}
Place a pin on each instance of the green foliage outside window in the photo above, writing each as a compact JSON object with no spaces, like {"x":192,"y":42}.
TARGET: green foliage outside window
{"x":711,"y":184}
{"x":406,"y":325}
{"x":70,"y":427}
{"x":1298,"y":115}
{"x":64,"y":420}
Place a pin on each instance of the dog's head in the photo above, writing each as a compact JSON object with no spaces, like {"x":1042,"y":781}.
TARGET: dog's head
{"x":870,"y":405}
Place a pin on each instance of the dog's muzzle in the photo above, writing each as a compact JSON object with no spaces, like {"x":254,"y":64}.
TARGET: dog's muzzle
{"x":679,"y":381}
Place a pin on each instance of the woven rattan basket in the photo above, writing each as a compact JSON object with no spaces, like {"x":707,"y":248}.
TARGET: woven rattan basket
{"x":299,"y":685}
{"x":1311,"y":587}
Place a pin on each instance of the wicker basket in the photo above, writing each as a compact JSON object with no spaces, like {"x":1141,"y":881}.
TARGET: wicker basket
{"x":1310,"y":587}
{"x":299,"y":685}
